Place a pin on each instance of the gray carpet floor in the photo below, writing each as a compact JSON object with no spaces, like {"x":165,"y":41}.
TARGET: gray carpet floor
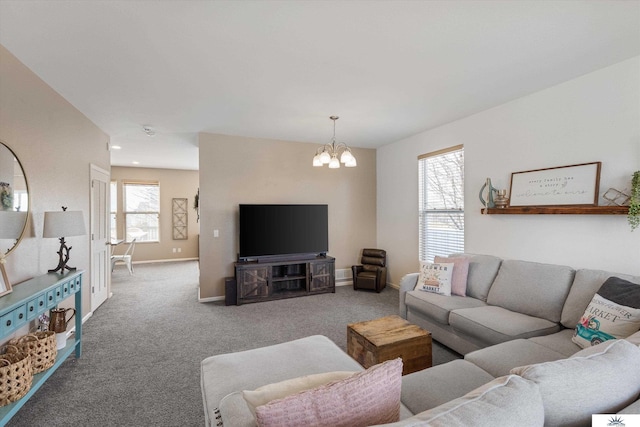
{"x":142,"y":348}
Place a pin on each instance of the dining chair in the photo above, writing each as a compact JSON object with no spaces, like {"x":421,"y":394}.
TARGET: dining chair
{"x":125,"y":258}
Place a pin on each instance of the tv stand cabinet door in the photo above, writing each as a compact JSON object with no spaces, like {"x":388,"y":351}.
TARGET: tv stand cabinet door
{"x":322,"y":276}
{"x":253,"y":283}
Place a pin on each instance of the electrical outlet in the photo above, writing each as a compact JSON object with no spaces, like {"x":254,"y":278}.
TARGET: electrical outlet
{"x":174,"y":250}
{"x":216,"y":233}
{"x":179,"y":249}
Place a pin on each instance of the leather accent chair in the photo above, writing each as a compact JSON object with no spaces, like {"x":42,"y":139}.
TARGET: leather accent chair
{"x":372,"y":274}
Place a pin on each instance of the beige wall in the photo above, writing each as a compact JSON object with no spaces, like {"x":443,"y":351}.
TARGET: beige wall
{"x":591,"y":118}
{"x":174,"y":183}
{"x":56,"y":144}
{"x":235,"y":170}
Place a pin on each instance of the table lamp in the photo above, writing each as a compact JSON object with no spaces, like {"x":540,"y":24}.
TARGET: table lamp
{"x":63,"y":224}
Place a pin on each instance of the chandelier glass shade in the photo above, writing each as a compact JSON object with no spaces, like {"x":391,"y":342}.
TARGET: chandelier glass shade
{"x":334,"y":153}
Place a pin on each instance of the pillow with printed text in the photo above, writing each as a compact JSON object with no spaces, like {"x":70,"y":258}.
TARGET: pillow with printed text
{"x":435,"y":277}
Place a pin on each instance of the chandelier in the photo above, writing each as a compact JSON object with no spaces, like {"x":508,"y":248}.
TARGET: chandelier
{"x":328,"y":154}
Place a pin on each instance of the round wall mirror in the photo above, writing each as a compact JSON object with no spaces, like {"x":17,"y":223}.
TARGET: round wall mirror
{"x":14,"y":200}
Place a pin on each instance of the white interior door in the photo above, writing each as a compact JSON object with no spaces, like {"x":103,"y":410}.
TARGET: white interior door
{"x":100,"y":253}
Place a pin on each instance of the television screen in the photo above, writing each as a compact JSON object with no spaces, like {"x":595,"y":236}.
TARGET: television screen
{"x":270,"y":230}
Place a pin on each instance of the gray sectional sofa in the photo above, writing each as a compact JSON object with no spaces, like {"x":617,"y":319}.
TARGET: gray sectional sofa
{"x":537,"y":305}
{"x":514,"y":329}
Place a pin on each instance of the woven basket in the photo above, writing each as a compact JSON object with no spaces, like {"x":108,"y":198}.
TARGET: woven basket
{"x":16,"y":374}
{"x":41,"y":346}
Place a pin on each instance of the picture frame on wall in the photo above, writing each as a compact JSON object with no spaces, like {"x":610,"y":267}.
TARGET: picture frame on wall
{"x":5,"y":285}
{"x":572,"y":185}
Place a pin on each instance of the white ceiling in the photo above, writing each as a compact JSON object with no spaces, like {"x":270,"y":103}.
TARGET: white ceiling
{"x":279,"y":69}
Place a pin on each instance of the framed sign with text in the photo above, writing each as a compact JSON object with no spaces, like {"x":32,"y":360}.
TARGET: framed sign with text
{"x":573,"y":185}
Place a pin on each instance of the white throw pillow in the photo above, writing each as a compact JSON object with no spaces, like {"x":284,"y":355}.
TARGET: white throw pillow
{"x":435,"y":278}
{"x":267,"y":393}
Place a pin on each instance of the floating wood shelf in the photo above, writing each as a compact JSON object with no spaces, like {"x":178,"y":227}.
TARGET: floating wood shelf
{"x":559,"y":210}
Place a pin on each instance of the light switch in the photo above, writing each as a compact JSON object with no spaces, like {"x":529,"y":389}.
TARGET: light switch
{"x":216,"y":233}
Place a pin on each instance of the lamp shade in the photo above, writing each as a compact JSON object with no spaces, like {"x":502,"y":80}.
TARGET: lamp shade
{"x":11,"y":224}
{"x":63,"y":224}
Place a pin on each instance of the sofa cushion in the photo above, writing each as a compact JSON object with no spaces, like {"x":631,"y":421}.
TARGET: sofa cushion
{"x":227,"y":373}
{"x":585,"y":285}
{"x":614,"y":312}
{"x":499,"y":359}
{"x":437,"y":306}
{"x":435,"y":278}
{"x":460,"y":273}
{"x":363,"y":399}
{"x":600,"y":379}
{"x":532,"y":288}
{"x":235,"y":412}
{"x":560,"y":342}
{"x":482,"y":271}
{"x":508,"y":400}
{"x":432,"y":387}
{"x":493,"y":325}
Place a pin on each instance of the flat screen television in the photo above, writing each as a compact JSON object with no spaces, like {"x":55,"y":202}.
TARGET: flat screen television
{"x":268,"y":231}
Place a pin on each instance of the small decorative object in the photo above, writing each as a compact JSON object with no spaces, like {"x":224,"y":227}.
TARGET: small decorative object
{"x":59,"y":225}
{"x":501,"y":200}
{"x":489,"y":203}
{"x":43,"y":322}
{"x":634,"y":203}
{"x":616,"y":197}
{"x":573,"y":185}
{"x":58,"y":324}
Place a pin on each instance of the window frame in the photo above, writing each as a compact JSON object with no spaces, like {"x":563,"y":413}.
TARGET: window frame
{"x":125,"y":212}
{"x":448,"y":241}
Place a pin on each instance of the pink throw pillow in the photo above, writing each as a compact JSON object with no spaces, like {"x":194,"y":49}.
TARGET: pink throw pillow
{"x":367,"y":398}
{"x":460,"y":273}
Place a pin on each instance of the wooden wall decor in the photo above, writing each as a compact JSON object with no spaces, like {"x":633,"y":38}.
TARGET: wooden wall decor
{"x":179,"y":219}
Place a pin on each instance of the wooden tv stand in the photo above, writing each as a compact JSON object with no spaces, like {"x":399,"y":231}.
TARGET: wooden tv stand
{"x":284,"y":278}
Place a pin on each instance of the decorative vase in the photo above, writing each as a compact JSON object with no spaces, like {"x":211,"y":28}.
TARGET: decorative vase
{"x":489,"y":203}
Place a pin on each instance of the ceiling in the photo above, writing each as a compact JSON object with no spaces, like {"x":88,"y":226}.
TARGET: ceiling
{"x":279,"y":69}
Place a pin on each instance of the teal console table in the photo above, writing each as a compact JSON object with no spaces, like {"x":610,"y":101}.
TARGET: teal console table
{"x":27,"y":301}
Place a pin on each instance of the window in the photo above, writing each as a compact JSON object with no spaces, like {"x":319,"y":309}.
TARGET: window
{"x":114,"y":209}
{"x":142,"y":211}
{"x":441,"y":202}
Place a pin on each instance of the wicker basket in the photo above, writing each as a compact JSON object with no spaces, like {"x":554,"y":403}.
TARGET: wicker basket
{"x":41,"y":346}
{"x":16,"y":374}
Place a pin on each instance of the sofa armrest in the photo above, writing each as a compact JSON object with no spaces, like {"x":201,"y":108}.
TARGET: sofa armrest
{"x":407,"y":283}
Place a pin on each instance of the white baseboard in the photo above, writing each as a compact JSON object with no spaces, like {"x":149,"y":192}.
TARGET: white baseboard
{"x":209,"y":299}
{"x":151,"y":261}
{"x":84,"y":319}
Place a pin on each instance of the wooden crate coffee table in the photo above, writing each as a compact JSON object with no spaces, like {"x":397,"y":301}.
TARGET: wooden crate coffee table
{"x":387,"y":338}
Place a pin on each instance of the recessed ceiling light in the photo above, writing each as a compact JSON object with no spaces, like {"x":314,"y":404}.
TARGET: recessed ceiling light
{"x":116,"y":147}
{"x":135,"y":163}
